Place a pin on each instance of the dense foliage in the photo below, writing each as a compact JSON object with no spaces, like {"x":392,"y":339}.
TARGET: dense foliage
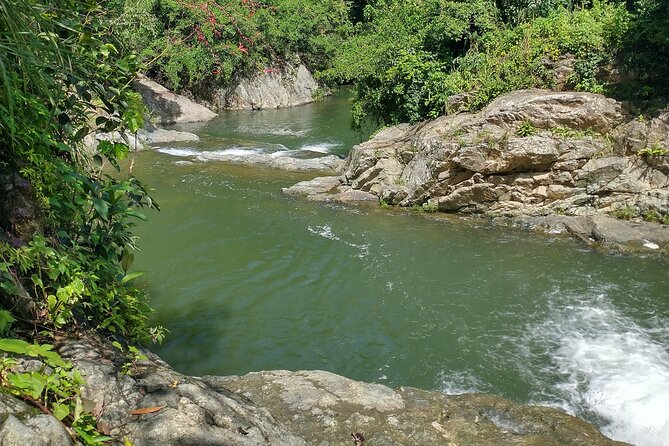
{"x":402,"y":50}
{"x":191,"y":44}
{"x":60,"y":82}
{"x":408,"y":57}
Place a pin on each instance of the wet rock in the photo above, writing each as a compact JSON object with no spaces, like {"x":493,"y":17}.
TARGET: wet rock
{"x":600,"y":230}
{"x":162,"y":136}
{"x":143,"y":139}
{"x":327,"y":409}
{"x":329,"y":189}
{"x":319,"y":185}
{"x":167,"y":107}
{"x":330,"y":163}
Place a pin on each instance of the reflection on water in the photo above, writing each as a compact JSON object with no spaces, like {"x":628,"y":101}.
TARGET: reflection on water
{"x":247,"y":279}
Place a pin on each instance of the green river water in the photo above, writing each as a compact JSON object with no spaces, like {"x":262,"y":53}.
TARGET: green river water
{"x":248,"y":279}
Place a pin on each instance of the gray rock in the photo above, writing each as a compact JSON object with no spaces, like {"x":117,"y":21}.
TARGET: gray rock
{"x":638,"y":135}
{"x":550,"y":109}
{"x":327,"y":409}
{"x":479,"y":163}
{"x":562,"y":70}
{"x":186,"y":411}
{"x":142,"y":140}
{"x":600,"y":231}
{"x":163,"y":136}
{"x":167,"y":107}
{"x":36,"y":430}
{"x":319,"y":185}
{"x":330,"y":163}
{"x":329,"y":189}
{"x":273,"y":87}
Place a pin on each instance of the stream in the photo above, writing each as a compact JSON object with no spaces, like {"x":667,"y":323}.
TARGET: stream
{"x":248,"y":279}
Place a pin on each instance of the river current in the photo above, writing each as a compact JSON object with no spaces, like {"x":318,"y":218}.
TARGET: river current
{"x":248,"y":279}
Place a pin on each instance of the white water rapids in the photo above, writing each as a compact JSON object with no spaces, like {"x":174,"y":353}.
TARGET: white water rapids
{"x":605,"y":366}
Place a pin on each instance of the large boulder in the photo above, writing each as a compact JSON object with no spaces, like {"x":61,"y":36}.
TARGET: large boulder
{"x":22,"y":425}
{"x":152,"y":405}
{"x":167,"y":107}
{"x":274,"y":87}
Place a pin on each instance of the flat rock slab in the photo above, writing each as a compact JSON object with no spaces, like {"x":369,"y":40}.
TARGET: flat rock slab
{"x":329,"y":189}
{"x":601,"y":230}
{"x":327,"y":410}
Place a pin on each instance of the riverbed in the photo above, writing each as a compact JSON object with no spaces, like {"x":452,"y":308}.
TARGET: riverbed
{"x":248,"y":279}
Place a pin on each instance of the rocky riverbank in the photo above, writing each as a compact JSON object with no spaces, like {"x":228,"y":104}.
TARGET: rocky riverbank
{"x":564,"y":161}
{"x":148,"y":403}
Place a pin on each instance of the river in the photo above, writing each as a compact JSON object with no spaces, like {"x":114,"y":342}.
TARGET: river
{"x":248,"y":279}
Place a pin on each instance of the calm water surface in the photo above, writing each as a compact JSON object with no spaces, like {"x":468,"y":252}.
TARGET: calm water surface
{"x":248,"y":279}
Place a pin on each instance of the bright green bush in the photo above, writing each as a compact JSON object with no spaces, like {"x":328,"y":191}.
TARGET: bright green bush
{"x":60,"y":80}
{"x":409,"y":57}
{"x":401,"y":52}
{"x":514,"y":58}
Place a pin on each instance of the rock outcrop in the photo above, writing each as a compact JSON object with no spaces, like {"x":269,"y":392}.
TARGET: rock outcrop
{"x":327,"y":409}
{"x":279,"y":408}
{"x":167,"y":107}
{"x":529,"y":153}
{"x":274,"y":87}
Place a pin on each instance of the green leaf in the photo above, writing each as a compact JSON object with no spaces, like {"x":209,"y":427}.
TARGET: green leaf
{"x":6,"y":321}
{"x":127,"y":259}
{"x":14,"y":346}
{"x":101,"y":207}
{"x":60,"y":411}
{"x":31,"y":383}
{"x":128,"y":277}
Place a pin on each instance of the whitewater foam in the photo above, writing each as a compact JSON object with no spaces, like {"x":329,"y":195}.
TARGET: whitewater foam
{"x":323,"y":147}
{"x":224,"y":154}
{"x":459,"y":383}
{"x":324,"y":231}
{"x":179,"y":152}
{"x":610,"y":367}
